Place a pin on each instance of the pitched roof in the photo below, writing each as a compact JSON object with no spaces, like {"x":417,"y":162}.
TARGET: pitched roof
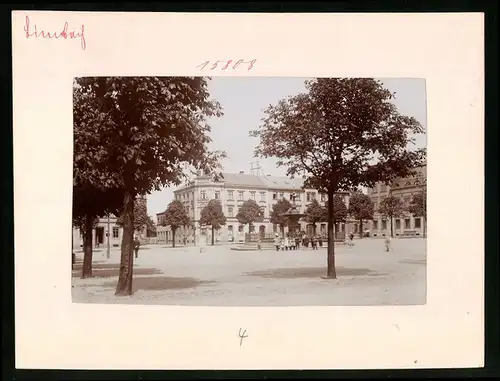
{"x":282,"y":182}
{"x":242,"y":180}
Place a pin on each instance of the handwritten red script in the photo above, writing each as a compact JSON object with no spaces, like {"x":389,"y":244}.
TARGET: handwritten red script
{"x":225,"y":64}
{"x":32,"y":31}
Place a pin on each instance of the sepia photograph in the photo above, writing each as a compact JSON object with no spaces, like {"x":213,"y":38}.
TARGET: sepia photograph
{"x":249,"y":191}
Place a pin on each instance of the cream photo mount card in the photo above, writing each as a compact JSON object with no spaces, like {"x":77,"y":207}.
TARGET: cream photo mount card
{"x":266,"y":306}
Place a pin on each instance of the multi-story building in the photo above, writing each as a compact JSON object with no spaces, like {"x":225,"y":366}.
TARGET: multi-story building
{"x":99,"y":233}
{"x":403,"y":188}
{"x":232,"y":189}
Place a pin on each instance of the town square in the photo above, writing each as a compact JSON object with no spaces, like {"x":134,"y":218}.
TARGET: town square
{"x":301,"y":192}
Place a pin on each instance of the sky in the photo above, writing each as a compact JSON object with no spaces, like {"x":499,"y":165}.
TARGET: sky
{"x":244,"y":99}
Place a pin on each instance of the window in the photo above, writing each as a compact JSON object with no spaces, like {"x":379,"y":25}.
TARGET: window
{"x":275,"y":228}
{"x":275,"y":196}
{"x":282,"y":195}
{"x":230,"y":229}
{"x":384,"y":224}
{"x":240,"y":196}
{"x":263,"y":211}
{"x":322,"y":228}
{"x":252,"y":195}
{"x":230,"y":211}
{"x":240,"y":229}
{"x":217,"y":195}
{"x":262,"y":196}
{"x":407,"y":223}
{"x":398,"y":224}
{"x":417,"y":223}
{"x":230,"y":195}
{"x":323,"y":197}
{"x":375,"y":225}
{"x":203,"y":195}
{"x":115,"y":231}
{"x":383,"y":188}
{"x":309,"y":197}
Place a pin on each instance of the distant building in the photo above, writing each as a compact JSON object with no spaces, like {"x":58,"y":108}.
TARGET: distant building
{"x":99,"y":238}
{"x":232,"y":189}
{"x":403,"y":188}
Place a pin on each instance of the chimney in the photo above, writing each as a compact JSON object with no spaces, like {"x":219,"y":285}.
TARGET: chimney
{"x":242,"y":172}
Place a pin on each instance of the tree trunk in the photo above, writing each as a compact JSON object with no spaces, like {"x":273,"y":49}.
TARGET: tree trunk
{"x":213,"y":230}
{"x":314,"y":229}
{"x":360,"y":228}
{"x":330,"y":272}
{"x":87,"y":247}
{"x":173,"y":236}
{"x":424,"y":226}
{"x":392,"y":231}
{"x":124,"y":286}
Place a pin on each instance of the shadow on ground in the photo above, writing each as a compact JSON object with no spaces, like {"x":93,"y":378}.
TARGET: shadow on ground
{"x":163,"y":283}
{"x":109,"y":270}
{"x":414,"y":261}
{"x":310,"y":272}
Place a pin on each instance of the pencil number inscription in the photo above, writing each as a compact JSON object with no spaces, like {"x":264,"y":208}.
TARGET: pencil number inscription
{"x":242,"y":335}
{"x":226,"y":64}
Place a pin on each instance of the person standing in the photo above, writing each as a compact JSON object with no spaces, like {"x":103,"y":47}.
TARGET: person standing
{"x":351,"y":239}
{"x":258,"y":242}
{"x":137,"y":244}
{"x":387,"y":241}
{"x":277,"y":242}
{"x":297,"y":242}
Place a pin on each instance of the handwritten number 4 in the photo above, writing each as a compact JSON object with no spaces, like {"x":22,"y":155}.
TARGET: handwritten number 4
{"x":242,"y":336}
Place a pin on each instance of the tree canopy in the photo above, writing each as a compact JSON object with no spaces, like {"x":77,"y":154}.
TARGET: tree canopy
{"x":340,"y":134}
{"x":315,"y":213}
{"x":176,"y":215}
{"x":276,"y":215}
{"x":212,"y":215}
{"x":361,"y":206}
{"x":249,"y":213}
{"x":418,"y":205}
{"x":142,"y":130}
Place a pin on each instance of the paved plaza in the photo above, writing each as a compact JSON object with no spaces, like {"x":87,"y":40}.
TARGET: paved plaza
{"x":219,"y":276}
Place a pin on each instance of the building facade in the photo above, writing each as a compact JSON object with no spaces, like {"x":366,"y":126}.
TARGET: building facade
{"x":105,"y":225}
{"x":403,"y":188}
{"x":232,"y":190}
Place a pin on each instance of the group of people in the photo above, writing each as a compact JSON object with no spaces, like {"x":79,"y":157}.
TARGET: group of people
{"x":289,"y":242}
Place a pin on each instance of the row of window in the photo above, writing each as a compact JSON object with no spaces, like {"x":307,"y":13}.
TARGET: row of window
{"x":407,"y":224}
{"x":310,"y":196}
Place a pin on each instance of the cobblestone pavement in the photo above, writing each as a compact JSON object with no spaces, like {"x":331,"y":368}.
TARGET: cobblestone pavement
{"x":219,"y":276}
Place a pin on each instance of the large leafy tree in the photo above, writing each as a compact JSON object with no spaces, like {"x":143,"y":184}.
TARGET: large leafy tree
{"x":146,"y":130}
{"x":212,"y":215}
{"x":361,"y":208}
{"x":315,"y":213}
{"x":391,"y":207}
{"x":249,"y":213}
{"x":340,"y":134}
{"x":276,"y":215}
{"x":176,"y":216}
